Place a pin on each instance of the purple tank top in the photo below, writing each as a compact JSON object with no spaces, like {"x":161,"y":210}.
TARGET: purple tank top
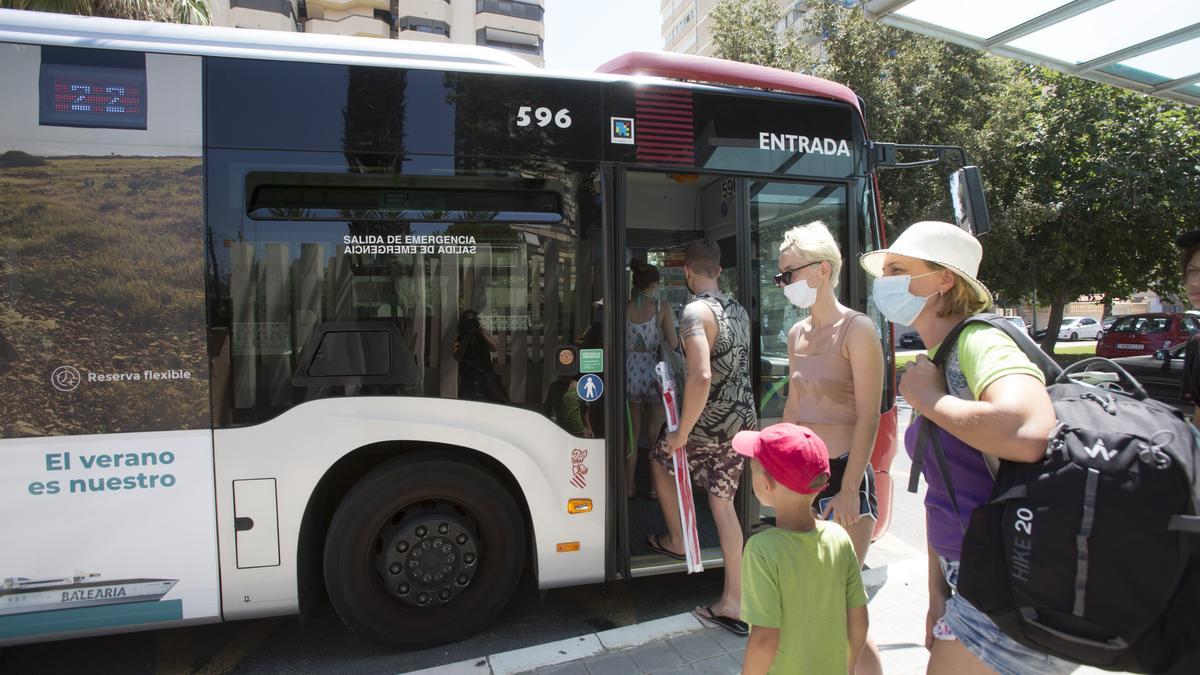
{"x":972,"y":486}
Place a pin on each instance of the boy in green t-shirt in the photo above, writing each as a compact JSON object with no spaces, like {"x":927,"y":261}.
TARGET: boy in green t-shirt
{"x":802,"y":592}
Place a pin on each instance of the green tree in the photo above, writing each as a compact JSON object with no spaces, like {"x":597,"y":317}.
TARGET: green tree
{"x":1111,"y":177}
{"x":744,"y":30}
{"x":169,"y":11}
{"x":919,"y":90}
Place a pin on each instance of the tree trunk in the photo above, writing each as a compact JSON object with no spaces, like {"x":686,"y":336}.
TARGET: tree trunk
{"x":1108,"y":306}
{"x":1057,"y":308}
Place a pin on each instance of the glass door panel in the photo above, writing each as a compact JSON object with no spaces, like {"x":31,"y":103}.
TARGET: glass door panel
{"x":773,"y":209}
{"x":776,"y":208}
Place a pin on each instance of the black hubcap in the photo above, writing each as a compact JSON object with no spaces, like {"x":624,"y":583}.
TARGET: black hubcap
{"x":427,"y":554}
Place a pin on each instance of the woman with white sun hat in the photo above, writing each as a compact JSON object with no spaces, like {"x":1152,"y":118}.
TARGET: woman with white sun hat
{"x":990,"y":401}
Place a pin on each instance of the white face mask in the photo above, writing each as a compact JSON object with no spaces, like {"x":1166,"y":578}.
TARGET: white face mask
{"x":800,"y":294}
{"x":895,"y":302}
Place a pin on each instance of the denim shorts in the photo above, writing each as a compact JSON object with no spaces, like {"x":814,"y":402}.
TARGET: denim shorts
{"x":982,"y":638}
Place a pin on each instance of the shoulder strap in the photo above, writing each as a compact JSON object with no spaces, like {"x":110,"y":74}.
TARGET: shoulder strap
{"x":929,"y":436}
{"x":1032,"y":351}
{"x":844,"y":329}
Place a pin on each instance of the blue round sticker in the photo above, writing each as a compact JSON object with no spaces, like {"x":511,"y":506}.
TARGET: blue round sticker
{"x":590,"y":387}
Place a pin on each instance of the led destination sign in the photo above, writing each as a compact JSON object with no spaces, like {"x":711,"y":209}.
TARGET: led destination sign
{"x":90,"y":96}
{"x":80,"y":95}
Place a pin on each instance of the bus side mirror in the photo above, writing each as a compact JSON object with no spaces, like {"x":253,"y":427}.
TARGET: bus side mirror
{"x":970,"y":206}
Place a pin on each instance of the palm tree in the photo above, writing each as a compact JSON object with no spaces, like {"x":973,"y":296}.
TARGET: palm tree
{"x":170,"y":11}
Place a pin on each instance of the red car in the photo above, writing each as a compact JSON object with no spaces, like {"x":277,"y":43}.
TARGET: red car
{"x":1144,"y":334}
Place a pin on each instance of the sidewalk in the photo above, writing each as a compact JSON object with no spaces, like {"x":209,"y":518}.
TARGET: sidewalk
{"x":684,"y":644}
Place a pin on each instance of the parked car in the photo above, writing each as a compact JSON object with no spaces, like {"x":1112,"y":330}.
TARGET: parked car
{"x":1161,"y":375}
{"x":1105,"y":324}
{"x":1144,"y":334}
{"x":1018,"y":322}
{"x":911,"y":340}
{"x":1076,"y":327}
{"x":1040,"y":333}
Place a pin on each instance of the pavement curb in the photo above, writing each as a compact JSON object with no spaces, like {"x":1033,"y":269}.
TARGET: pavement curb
{"x":572,"y":649}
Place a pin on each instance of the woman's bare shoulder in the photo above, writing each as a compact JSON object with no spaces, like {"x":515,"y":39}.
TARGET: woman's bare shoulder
{"x":862,"y":333}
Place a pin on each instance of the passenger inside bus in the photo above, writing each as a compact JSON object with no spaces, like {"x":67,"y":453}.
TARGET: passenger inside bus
{"x":649,"y":329}
{"x":564,"y":406}
{"x":473,"y":349}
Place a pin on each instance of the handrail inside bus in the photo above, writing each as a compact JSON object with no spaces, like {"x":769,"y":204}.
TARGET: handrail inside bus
{"x":718,"y":71}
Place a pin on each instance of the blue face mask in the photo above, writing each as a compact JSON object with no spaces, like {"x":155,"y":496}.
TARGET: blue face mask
{"x":895,"y":302}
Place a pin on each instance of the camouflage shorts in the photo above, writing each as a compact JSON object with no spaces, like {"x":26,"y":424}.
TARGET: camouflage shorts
{"x":715,"y":467}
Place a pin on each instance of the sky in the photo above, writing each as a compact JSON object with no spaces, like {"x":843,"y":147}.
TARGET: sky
{"x":582,"y":34}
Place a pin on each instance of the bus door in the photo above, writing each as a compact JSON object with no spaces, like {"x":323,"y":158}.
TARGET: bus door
{"x":657,"y":214}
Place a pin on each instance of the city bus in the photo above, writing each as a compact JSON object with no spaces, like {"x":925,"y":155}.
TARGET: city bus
{"x":288,"y":319}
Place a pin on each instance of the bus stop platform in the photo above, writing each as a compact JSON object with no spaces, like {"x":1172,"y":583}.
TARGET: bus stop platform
{"x":685,"y":644}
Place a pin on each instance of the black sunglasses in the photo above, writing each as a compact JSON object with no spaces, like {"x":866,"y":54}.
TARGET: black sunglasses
{"x":785,"y":277}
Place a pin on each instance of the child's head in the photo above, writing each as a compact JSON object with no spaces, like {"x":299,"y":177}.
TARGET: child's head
{"x":790,"y":462}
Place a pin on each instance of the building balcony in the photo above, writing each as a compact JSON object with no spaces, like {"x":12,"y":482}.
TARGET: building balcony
{"x":352,"y":24}
{"x":422,"y":37}
{"x":438,"y":10}
{"x":318,"y":8}
{"x":263,"y":14}
{"x":510,"y":23}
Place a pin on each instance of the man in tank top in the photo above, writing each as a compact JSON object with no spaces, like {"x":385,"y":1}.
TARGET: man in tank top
{"x":718,"y":402}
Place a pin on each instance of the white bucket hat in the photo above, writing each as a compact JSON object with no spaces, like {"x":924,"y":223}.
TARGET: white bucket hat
{"x":942,"y":243}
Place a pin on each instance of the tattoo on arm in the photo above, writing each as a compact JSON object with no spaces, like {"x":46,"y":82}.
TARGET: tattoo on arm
{"x":691,"y":324}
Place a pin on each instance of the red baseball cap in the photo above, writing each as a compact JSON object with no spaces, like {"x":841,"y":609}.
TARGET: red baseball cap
{"x":792,"y":455}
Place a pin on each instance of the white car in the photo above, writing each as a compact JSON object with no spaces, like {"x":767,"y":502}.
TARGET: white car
{"x":1079,"y":327}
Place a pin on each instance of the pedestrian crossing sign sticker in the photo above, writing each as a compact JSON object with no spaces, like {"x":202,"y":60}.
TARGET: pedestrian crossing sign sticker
{"x":622,"y":130}
{"x":590,"y":387}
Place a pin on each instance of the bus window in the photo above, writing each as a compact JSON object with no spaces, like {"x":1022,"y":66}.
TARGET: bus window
{"x":477,"y":294}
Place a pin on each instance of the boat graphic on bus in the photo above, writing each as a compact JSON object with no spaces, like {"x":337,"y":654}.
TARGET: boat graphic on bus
{"x":22,"y":595}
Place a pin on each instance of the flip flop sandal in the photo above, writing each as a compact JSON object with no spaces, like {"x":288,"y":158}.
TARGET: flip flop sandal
{"x":652,"y":543}
{"x":734,"y":626}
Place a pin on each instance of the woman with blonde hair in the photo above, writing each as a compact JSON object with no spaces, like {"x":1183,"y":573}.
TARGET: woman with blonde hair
{"x":990,"y":403}
{"x":835,"y":383}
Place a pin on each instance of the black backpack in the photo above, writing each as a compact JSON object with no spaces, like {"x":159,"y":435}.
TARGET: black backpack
{"x":1089,"y":555}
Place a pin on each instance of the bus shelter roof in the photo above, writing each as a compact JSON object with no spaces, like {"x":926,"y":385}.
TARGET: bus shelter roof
{"x":1148,"y":46}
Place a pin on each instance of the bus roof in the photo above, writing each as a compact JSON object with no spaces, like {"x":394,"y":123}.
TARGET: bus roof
{"x":682,"y":70}
{"x":717,"y":71}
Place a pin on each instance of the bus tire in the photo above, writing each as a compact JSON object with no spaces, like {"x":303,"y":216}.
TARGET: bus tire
{"x":423,"y":552}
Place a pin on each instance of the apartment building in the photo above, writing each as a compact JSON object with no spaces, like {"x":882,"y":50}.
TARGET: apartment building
{"x":514,"y":25}
{"x":686,"y":24}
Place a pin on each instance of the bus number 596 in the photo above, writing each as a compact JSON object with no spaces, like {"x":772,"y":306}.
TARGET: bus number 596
{"x":544,"y":116}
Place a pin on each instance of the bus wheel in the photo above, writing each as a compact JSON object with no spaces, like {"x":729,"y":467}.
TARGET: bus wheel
{"x":423,"y":551}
